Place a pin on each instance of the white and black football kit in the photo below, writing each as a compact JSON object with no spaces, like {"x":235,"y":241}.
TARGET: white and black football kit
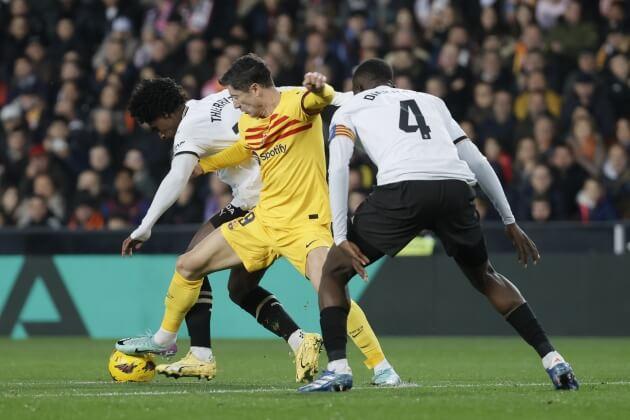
{"x":426,"y":167}
{"x":208,"y":126}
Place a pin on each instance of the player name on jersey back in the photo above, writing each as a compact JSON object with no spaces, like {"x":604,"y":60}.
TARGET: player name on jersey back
{"x":408,"y":135}
{"x":210,"y":125}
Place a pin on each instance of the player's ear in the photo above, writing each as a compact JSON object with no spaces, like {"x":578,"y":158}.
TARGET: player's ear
{"x":255,"y":89}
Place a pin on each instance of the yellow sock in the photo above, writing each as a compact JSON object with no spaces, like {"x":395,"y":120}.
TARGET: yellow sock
{"x":362,"y":334}
{"x":181,"y":296}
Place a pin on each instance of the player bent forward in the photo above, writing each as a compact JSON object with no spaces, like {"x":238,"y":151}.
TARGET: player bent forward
{"x":424,"y":162}
{"x":283,"y":130}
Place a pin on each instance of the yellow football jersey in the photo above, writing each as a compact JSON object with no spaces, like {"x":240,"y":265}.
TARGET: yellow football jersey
{"x":289,"y":146}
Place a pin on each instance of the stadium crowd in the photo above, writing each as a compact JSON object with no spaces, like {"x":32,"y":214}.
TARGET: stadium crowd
{"x":542,"y":86}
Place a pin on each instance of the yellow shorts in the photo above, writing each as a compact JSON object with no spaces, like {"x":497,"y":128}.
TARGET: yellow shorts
{"x":258,"y":245}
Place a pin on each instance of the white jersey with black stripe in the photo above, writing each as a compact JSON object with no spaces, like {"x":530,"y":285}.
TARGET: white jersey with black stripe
{"x":408,"y":135}
{"x":210,"y":125}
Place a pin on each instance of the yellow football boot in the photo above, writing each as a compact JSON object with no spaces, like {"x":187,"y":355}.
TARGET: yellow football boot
{"x":189,"y":367}
{"x":307,"y":357}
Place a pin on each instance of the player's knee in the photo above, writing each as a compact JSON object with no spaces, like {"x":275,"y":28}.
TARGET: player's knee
{"x":337,"y":266}
{"x":236,"y":292}
{"x":188,"y":266}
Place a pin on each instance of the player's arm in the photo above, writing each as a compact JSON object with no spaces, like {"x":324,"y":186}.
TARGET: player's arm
{"x":341,"y":147}
{"x":491,"y":186}
{"x":489,"y":183}
{"x":230,"y":156}
{"x":318,"y":93}
{"x":167,"y":193}
{"x":339,"y":98}
{"x":487,"y":178}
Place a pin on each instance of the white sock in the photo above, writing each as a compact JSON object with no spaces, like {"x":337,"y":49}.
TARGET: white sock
{"x":202,"y":353}
{"x":164,"y":338}
{"x":339,"y":366}
{"x":382,"y":366}
{"x":295,"y":339}
{"x":551,"y":359}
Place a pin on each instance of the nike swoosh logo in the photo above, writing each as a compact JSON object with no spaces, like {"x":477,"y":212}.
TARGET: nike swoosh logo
{"x":310,"y":243}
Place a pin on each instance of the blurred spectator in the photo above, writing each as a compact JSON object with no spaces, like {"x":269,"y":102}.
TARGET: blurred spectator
{"x":616,"y":178}
{"x":37,"y":214}
{"x":593,"y":203}
{"x":586,"y":95}
{"x":587,"y":145}
{"x":569,"y":177}
{"x":537,"y":84}
{"x":43,"y":186}
{"x":141,"y":177}
{"x":572,"y":34}
{"x":622,"y":133}
{"x":541,"y":184}
{"x":10,"y":203}
{"x":544,"y":136}
{"x":457,"y":80}
{"x":501,"y":124}
{"x":125,"y":202}
{"x":540,"y":209}
{"x":618,"y":84}
{"x":89,"y":182}
{"x":85,"y":214}
{"x":101,"y":163}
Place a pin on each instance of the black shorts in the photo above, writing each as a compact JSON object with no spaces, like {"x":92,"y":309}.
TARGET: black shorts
{"x":227,"y":214}
{"x":394,"y":214}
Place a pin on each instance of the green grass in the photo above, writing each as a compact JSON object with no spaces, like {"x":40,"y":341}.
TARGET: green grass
{"x":457,"y":377}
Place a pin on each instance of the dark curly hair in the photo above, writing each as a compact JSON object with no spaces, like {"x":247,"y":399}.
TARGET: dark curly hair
{"x":154,"y":98}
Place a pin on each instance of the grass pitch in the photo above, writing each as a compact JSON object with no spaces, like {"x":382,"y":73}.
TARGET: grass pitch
{"x":455,"y":378}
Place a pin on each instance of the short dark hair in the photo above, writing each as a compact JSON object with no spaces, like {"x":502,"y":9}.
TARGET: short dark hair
{"x":372,"y":73}
{"x":154,"y":98}
{"x":245,"y":71}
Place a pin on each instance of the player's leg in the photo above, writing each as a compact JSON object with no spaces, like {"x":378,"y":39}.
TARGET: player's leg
{"x":462,"y":236}
{"x":358,"y":326}
{"x":505,"y":297}
{"x":211,"y":254}
{"x":246,"y":292}
{"x":335,"y":304}
{"x":199,"y":361}
{"x":198,"y":318}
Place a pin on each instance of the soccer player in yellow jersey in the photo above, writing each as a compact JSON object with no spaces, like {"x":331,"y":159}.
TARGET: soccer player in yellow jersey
{"x":283,"y":131}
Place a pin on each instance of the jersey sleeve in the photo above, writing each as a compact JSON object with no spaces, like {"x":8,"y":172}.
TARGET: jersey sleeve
{"x":187,"y":140}
{"x":342,"y":138}
{"x":231,"y":156}
{"x":454,"y":129}
{"x":342,"y":125}
{"x":313,"y":103}
{"x":341,"y":98}
{"x":167,"y":193}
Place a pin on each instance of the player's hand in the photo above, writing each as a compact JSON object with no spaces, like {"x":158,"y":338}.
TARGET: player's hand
{"x":197,"y":171}
{"x":525,"y":247}
{"x":129,"y":245}
{"x":314,"y":81}
{"x":359,"y":261}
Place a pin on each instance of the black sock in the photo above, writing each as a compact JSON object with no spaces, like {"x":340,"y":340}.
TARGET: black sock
{"x":334,"y":323}
{"x":269,"y":313}
{"x":525,"y":323}
{"x":198,"y":318}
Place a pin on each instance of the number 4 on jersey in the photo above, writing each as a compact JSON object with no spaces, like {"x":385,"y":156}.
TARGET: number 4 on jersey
{"x":411,"y":105}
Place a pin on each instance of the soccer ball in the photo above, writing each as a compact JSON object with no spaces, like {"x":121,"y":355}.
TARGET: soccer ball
{"x":125,"y":368}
